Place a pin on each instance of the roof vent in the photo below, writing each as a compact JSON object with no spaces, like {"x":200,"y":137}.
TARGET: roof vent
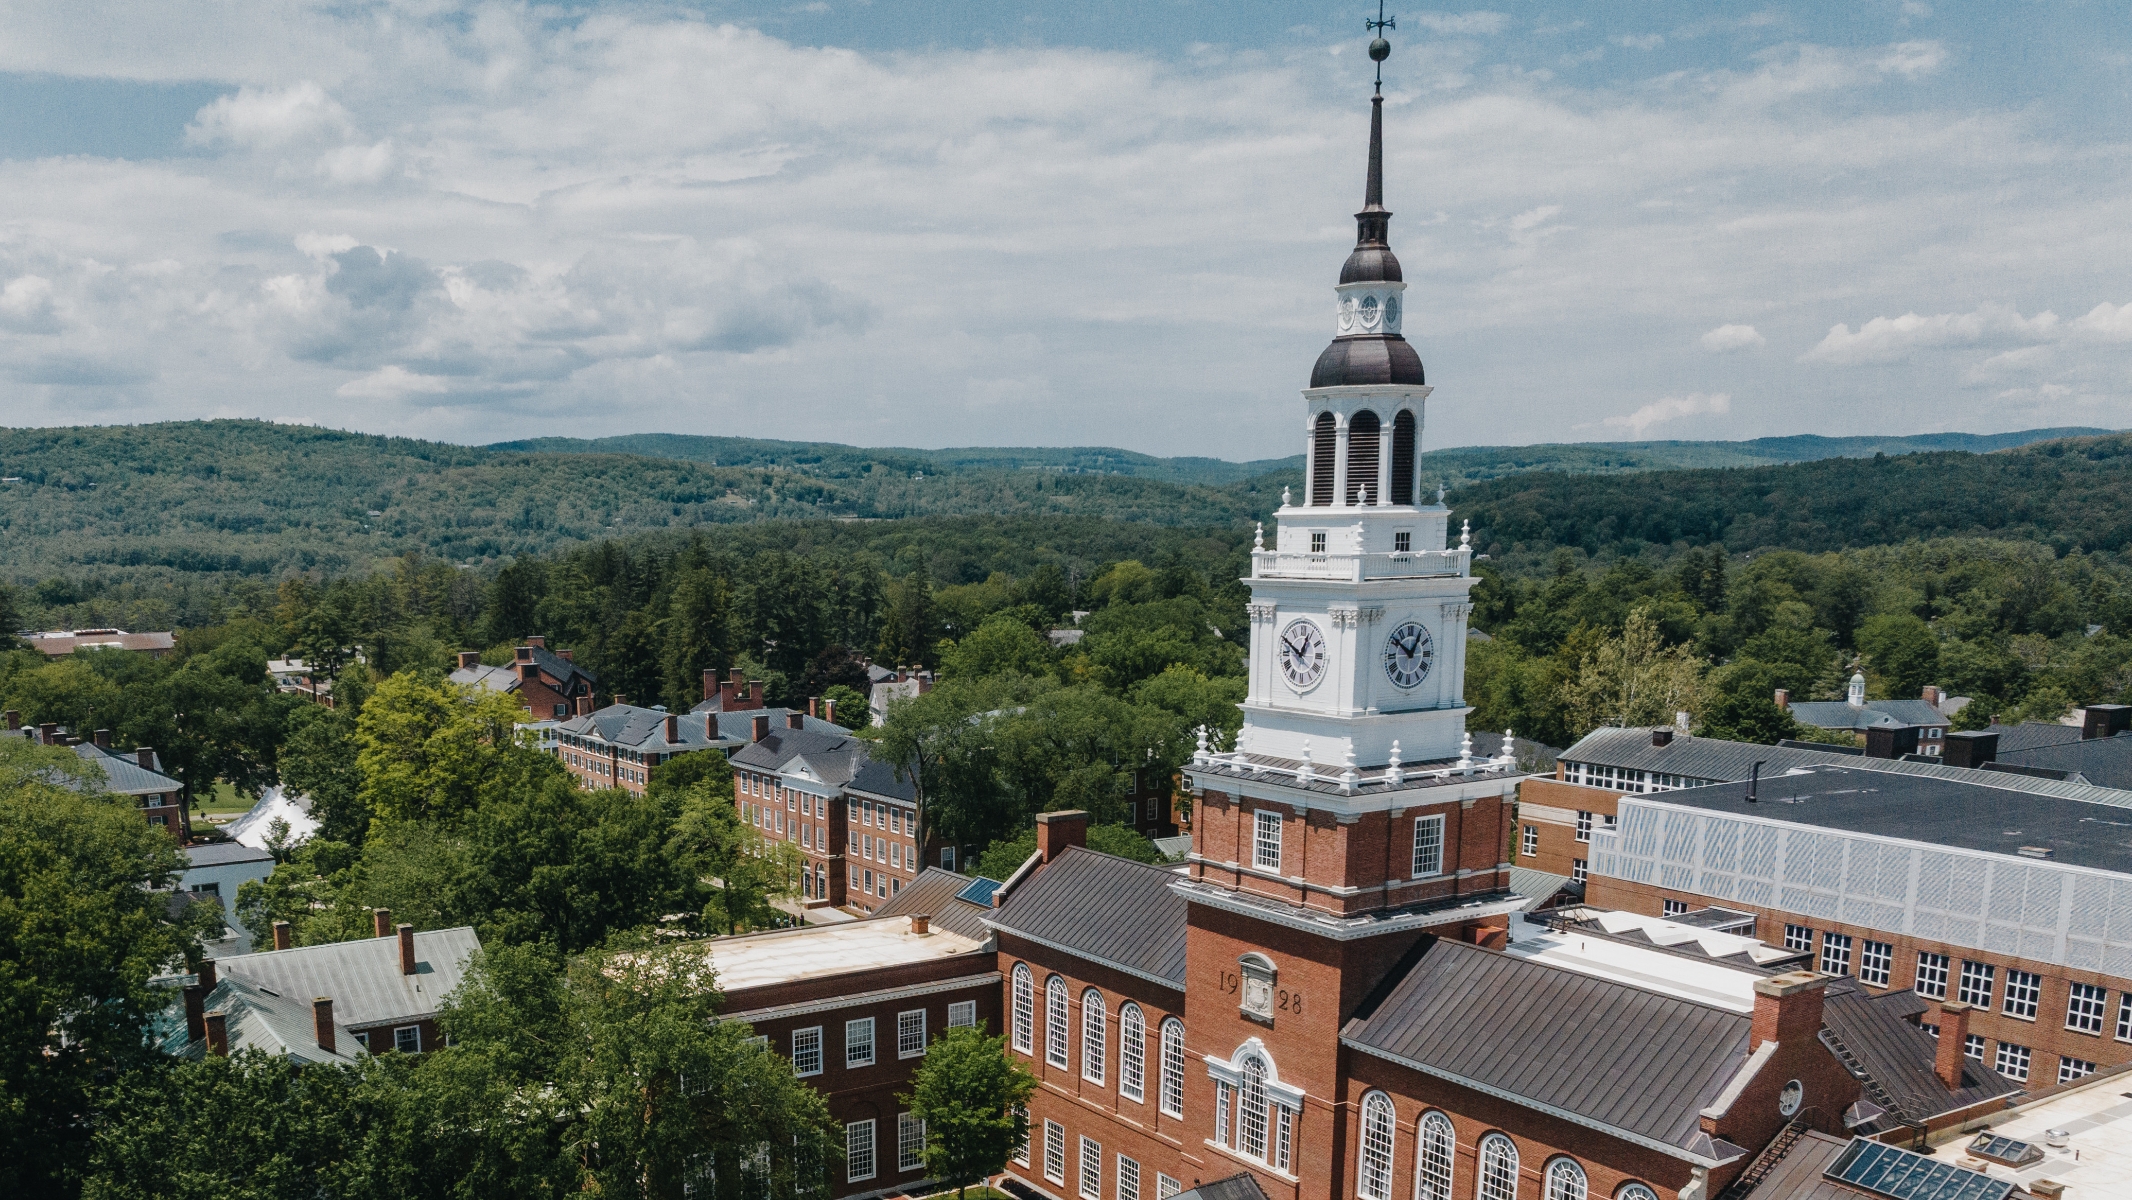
{"x":1662,"y":736}
{"x":2038,"y":852}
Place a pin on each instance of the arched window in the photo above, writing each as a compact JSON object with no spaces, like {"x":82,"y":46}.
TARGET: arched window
{"x":1565,"y":1180}
{"x":1435,"y":1145}
{"x":1251,"y":1111}
{"x":1093,"y":1053}
{"x":1634,"y":1191}
{"x":1362,"y":429}
{"x":1024,"y":1009}
{"x":1322,"y":441}
{"x":1373,"y":1178}
{"x":1055,"y":1034}
{"x":1173,"y":1067}
{"x":1132,"y":1053}
{"x":1499,"y":1169}
{"x":1403,"y":457}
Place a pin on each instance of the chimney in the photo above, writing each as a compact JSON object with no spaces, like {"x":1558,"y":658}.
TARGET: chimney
{"x":829,"y":711}
{"x":814,"y":706}
{"x":1784,"y":698}
{"x":282,"y":940}
{"x":407,"y":948}
{"x":568,"y":656}
{"x":48,"y":732}
{"x":710,"y":727}
{"x":1954,"y":1038}
{"x":673,"y":729}
{"x":528,"y":671}
{"x":196,"y":1012}
{"x":217,"y":1034}
{"x":1662,"y":736}
{"x":14,"y":720}
{"x":102,"y":738}
{"x":322,"y":1025}
{"x":2104,"y":720}
{"x":208,"y":977}
{"x":921,"y":924}
{"x":761,"y":729}
{"x":1969,"y":748}
{"x":522,"y":654}
{"x":469,"y":658}
{"x":538,"y":640}
{"x":794,"y":720}
{"x":1055,"y":831}
{"x":619,"y":698}
{"x":1884,"y":741}
{"x":1787,"y":1009}
{"x":710,"y":684}
{"x":1931,"y":695}
{"x":381,"y":922}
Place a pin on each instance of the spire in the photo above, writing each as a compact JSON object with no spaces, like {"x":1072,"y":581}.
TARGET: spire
{"x":1373,"y":223}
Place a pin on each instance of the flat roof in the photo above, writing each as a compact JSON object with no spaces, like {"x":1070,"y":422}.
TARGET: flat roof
{"x":1936,"y":811}
{"x":1653,"y":970}
{"x":2096,"y":1160}
{"x":818,"y":951}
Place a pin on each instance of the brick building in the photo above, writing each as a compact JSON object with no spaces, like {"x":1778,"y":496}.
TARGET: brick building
{"x":621,"y":745}
{"x":135,"y":773}
{"x":548,"y":683}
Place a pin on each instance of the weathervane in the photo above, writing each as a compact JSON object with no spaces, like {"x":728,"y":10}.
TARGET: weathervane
{"x":1379,"y":48}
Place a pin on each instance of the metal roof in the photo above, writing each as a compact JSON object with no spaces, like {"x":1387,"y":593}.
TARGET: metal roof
{"x":1896,"y":1056}
{"x":124,"y":774}
{"x":2030,"y":734}
{"x":1633,"y":1062}
{"x":494,"y":679}
{"x":1106,"y":909}
{"x":937,"y":893}
{"x":644,"y":729}
{"x":2104,"y":762}
{"x":221,"y":854}
{"x":1241,"y":1186}
{"x":1836,"y":714}
{"x":363,"y":977}
{"x":258,"y":1017}
{"x":1538,"y":887}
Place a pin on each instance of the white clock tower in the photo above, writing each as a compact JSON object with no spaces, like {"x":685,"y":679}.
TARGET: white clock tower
{"x":1358,"y":611}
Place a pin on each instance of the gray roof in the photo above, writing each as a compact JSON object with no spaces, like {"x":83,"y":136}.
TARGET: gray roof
{"x":124,"y":773}
{"x":363,"y":977}
{"x":1539,"y":887}
{"x":1798,"y":1172}
{"x":831,"y":754}
{"x":1836,"y":714}
{"x":494,"y":679}
{"x":2104,"y":762}
{"x":1325,"y":777}
{"x":1893,"y":1057}
{"x":259,"y":1017}
{"x":1241,"y":1186}
{"x":560,"y":668}
{"x":222,"y":854}
{"x":2030,"y":734}
{"x":1634,"y":1061}
{"x":644,"y":729}
{"x":933,"y":894}
{"x":1106,"y":909}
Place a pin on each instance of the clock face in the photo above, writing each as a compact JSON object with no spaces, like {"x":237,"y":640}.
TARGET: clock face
{"x":1302,"y":655}
{"x":1408,"y":654}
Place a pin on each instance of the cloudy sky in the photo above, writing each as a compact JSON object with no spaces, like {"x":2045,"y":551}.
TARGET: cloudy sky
{"x":1106,"y":222}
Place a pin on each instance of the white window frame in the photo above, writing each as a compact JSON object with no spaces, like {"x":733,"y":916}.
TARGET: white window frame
{"x":1836,"y":953}
{"x":910,"y":1033}
{"x":1021,"y":1152}
{"x":1166,"y":1187}
{"x":1496,"y":1178}
{"x":1375,"y":1155}
{"x":1973,"y":1046}
{"x":1266,"y":839}
{"x":1876,"y":962}
{"x":1095,"y":1050}
{"x":910,"y":1142}
{"x":1090,"y":1169}
{"x":1054,"y":1152}
{"x":859,"y":1043}
{"x":1435,"y":1153}
{"x":1173,"y":1067}
{"x":1798,"y":937}
{"x":1931,"y":981}
{"x":1672,"y":908}
{"x":1253,"y":1114}
{"x":1132,"y":1052}
{"x":2014,"y":1061}
{"x":2023,"y":994}
{"x":2124,"y":1016}
{"x":1565,"y":1179}
{"x":1024,"y":1018}
{"x":407,"y":1039}
{"x":806,"y":1047}
{"x":1128,"y":1178}
{"x":1428,"y":846}
{"x":2070,"y":1069}
{"x":1529,"y":842}
{"x":1579,"y":870}
{"x":1978,"y":982}
{"x":2086,"y":1007}
{"x":859,"y":1164}
{"x":1057,"y":1028}
{"x":962,"y":1013}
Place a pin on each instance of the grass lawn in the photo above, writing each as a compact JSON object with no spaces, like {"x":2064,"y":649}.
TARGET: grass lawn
{"x":225,"y":802}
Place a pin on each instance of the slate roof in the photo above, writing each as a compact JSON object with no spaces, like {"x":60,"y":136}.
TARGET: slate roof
{"x":363,"y":977}
{"x":933,"y":893}
{"x":1634,"y":1062}
{"x":258,"y":1017}
{"x":1241,"y":1186}
{"x":2030,"y":734}
{"x":1106,"y":909}
{"x":1798,"y":1173}
{"x":1894,"y":1057}
{"x":494,"y":679}
{"x":2104,"y":762}
{"x":829,"y":753}
{"x":644,"y":729}
{"x":1836,"y":714}
{"x":561,"y":669}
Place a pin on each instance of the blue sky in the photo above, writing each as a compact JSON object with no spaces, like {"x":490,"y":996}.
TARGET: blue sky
{"x":1104,"y":222}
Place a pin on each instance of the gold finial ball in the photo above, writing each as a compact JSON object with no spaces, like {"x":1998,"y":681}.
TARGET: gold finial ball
{"x":1380,"y":50}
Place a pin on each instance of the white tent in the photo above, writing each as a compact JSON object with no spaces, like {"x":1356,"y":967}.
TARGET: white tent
{"x":256,"y":827}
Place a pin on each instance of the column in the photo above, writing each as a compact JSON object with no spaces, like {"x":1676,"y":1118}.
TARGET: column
{"x":1339,"y":462}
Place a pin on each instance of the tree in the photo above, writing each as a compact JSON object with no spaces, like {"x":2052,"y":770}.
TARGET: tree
{"x":424,"y":745}
{"x":1741,"y":706}
{"x":849,"y":705}
{"x":910,"y":627}
{"x":1003,"y":858}
{"x":1902,"y":650}
{"x":1000,"y":646}
{"x":700,"y":636}
{"x":973,"y":1097}
{"x":1634,"y":680}
{"x":319,"y":760}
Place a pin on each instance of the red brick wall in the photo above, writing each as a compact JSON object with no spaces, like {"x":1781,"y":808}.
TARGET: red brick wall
{"x":1559,"y":847}
{"x":1373,"y":853}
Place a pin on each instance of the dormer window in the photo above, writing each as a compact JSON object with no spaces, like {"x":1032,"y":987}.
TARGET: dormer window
{"x":1258,"y":976}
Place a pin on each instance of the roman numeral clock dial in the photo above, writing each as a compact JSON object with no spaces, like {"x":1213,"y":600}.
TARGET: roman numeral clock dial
{"x":1302,"y":655}
{"x":1408,"y":654}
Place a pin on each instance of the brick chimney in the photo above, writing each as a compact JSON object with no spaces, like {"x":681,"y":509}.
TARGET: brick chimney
{"x":568,"y":656}
{"x":282,"y":939}
{"x":1055,"y":831}
{"x":48,"y":732}
{"x":1787,"y":1009}
{"x":102,"y":738}
{"x":921,"y":924}
{"x":1783,"y":698}
{"x":761,"y":728}
{"x":2104,"y":720}
{"x":14,"y":720}
{"x":710,"y":727}
{"x":522,"y":654}
{"x":814,"y":706}
{"x":407,"y":948}
{"x":469,"y":658}
{"x":381,"y":922}
{"x":619,"y":698}
{"x":196,"y":1004}
{"x":710,"y":684}
{"x":1969,"y":748}
{"x":537,"y":640}
{"x":1930,"y":695}
{"x":217,"y":1029}
{"x":1954,"y":1037}
{"x":673,"y":729}
{"x":795,"y":720}
{"x":322,"y":1025}
{"x":829,"y":711}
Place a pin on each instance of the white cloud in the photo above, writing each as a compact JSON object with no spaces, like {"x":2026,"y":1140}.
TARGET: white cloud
{"x":1463,"y":23}
{"x":1890,"y":339}
{"x":1726,"y":338}
{"x":2105,"y":322}
{"x":390,"y":383}
{"x":265,"y":118}
{"x":1916,"y":8}
{"x":1912,"y":59}
{"x":1671,"y":408}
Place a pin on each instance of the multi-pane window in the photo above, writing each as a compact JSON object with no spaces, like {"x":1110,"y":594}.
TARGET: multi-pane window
{"x":2070,"y":1069}
{"x":2084,"y":1006}
{"x":1266,"y":840}
{"x":859,"y":1042}
{"x":1024,"y":1009}
{"x":1931,"y":975}
{"x":1428,"y":846}
{"x":1021,"y":1152}
{"x":2012,"y":1061}
{"x":910,"y":1033}
{"x":1055,"y":1021}
{"x":1166,"y":1187}
{"x":1499,"y":1168}
{"x":961,"y":1013}
{"x":1434,"y":1150}
{"x":2024,"y":990}
{"x":910,"y":1142}
{"x":1529,"y":842}
{"x":1132,"y":1053}
{"x":1251,"y":1111}
{"x":1173,"y":1067}
{"x":1976,"y":983}
{"x":1221,"y":1112}
{"x":1091,"y":1169}
{"x":1835,"y":954}
{"x":1128,"y":1179}
{"x":1579,"y":871}
{"x":807,"y":1051}
{"x":1373,"y":1176}
{"x":858,"y":1150}
{"x":1565,"y":1180}
{"x":1055,"y":1152}
{"x":1672,"y":908}
{"x":1283,"y":1134}
{"x":1093,"y":1052}
{"x":2124,"y":1017}
{"x":1584,"y":826}
{"x":407,"y":1039}
{"x":1973,"y":1046}
{"x":1876,"y":960}
{"x":1798,"y":937}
